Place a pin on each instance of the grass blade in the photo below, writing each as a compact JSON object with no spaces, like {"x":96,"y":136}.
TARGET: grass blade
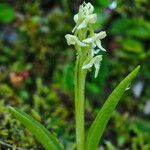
{"x":39,"y":131}
{"x":99,"y":124}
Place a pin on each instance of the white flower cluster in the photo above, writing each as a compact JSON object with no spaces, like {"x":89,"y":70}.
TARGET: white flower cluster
{"x":91,"y":41}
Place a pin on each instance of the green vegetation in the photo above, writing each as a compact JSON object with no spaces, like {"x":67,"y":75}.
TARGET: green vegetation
{"x":36,"y":72}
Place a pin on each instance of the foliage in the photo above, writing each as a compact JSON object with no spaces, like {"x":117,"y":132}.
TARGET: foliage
{"x":41,"y":133}
{"x":99,"y":124}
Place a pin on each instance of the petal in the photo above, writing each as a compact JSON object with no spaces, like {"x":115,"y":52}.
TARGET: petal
{"x":101,"y":35}
{"x":71,"y":39}
{"x":92,"y":18}
{"x":82,"y":25}
{"x":97,"y":63}
{"x":97,"y":67}
{"x":74,"y":29}
{"x":88,"y":40}
{"x":81,"y":8}
{"x":90,"y":7}
{"x":96,"y":51}
{"x":94,"y":61}
{"x":81,"y":44}
{"x":92,"y":52}
{"x":88,"y":66}
{"x":76,"y":18}
{"x":93,"y":45}
{"x":98,"y":43}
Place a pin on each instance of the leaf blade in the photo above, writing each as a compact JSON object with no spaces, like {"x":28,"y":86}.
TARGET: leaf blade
{"x":100,"y":122}
{"x":39,"y":131}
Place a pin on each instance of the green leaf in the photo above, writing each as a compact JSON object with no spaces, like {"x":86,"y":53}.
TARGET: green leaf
{"x":97,"y":128}
{"x":7,"y":13}
{"x":40,"y":132}
{"x":132,"y":45}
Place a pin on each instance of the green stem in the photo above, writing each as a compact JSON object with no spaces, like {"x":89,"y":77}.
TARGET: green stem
{"x":80,"y":76}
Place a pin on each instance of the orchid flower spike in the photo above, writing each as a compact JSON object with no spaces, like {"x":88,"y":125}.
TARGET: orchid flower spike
{"x":86,"y":42}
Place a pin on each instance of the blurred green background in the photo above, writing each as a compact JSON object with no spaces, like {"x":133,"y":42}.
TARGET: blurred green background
{"x":36,"y":71}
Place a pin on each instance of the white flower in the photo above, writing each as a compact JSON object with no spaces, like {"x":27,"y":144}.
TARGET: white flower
{"x":94,"y":61}
{"x":84,"y":10}
{"x":76,"y":18}
{"x":72,"y":40}
{"x":88,"y":8}
{"x":90,"y":19}
{"x":94,"y":51}
{"x":95,"y":40}
{"x":85,"y":16}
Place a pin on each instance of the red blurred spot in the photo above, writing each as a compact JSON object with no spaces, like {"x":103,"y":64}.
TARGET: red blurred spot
{"x":25,"y":74}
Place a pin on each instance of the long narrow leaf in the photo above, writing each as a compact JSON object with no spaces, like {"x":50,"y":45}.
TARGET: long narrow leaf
{"x":39,"y":131}
{"x":99,"y":124}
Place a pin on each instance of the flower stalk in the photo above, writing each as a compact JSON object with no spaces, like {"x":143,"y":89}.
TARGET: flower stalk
{"x":80,"y":77}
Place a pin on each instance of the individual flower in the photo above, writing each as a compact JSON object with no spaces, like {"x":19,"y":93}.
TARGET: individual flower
{"x":84,"y":11}
{"x":72,"y":40}
{"x":94,"y":51}
{"x":88,"y":8}
{"x":90,"y":19}
{"x":94,"y":61}
{"x":85,"y":16}
{"x":95,"y":40}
